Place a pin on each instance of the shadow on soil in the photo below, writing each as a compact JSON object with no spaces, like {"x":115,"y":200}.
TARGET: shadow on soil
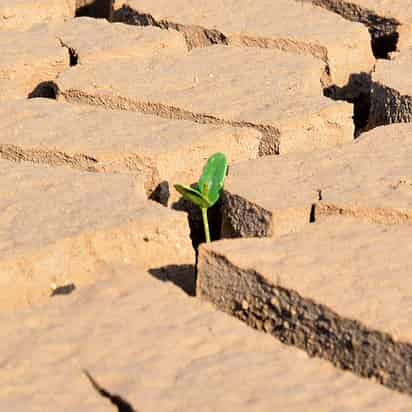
{"x":47,"y":90}
{"x":161,"y":194}
{"x":121,"y":404}
{"x":383,"y":45}
{"x":357,"y":92}
{"x":183,"y":276}
{"x":197,"y":233}
{"x":97,"y":8}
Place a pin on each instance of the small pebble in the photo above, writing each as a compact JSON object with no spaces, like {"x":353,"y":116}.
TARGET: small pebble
{"x":275,"y":291}
{"x":268,"y":326}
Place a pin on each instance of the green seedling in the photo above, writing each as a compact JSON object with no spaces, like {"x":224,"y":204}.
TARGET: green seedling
{"x":208,"y":188}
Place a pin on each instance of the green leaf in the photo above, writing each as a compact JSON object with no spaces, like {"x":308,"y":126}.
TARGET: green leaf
{"x":211,"y":182}
{"x":193,"y":196}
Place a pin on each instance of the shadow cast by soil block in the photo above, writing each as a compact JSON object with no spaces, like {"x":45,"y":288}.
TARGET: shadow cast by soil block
{"x":357,"y":92}
{"x":183,"y":276}
{"x":47,"y":90}
{"x":197,"y":232}
{"x":300,"y":321}
{"x":97,"y":8}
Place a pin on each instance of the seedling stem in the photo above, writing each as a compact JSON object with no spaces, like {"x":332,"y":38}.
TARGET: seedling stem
{"x":206,"y":225}
{"x":208,"y":189}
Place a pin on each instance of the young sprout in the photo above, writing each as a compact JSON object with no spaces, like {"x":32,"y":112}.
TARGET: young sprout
{"x":208,"y":188}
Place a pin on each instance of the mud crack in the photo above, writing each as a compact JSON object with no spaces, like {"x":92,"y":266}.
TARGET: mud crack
{"x":268,"y":145}
{"x":121,"y":404}
{"x":195,"y":36}
{"x":383,"y":30}
{"x":73,"y":55}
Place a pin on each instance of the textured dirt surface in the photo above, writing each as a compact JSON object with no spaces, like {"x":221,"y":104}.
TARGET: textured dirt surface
{"x":99,"y":119}
{"x":343,"y":47}
{"x":29,"y":58}
{"x":389,"y":21}
{"x":24,"y":14}
{"x":61,"y":227}
{"x":92,"y":40}
{"x":221,"y":85}
{"x":322,"y":290}
{"x":145,"y":146}
{"x":159,"y":349}
{"x":369,"y":179}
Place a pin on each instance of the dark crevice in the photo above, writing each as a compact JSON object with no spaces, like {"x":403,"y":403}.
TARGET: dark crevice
{"x":383,"y":30}
{"x":161,"y":193}
{"x":74,"y":58}
{"x":361,"y":109}
{"x":358,"y":93}
{"x":197,"y":233}
{"x":96,"y":9}
{"x":383,"y":45}
{"x":121,"y":404}
{"x":47,"y":90}
{"x":312,"y":214}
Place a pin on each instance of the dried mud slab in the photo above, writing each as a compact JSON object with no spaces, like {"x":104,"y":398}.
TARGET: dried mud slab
{"x":28,"y":59}
{"x":340,"y":289}
{"x":61,"y":227}
{"x":157,"y":150}
{"x":23,"y":14}
{"x":161,"y":351}
{"x":370,"y":179}
{"x":389,"y":21}
{"x":91,"y":40}
{"x":391,"y":94}
{"x":343,"y":47}
{"x":273,"y":92}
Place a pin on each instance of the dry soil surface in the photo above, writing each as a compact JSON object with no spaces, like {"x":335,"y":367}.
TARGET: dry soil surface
{"x":105,"y":105}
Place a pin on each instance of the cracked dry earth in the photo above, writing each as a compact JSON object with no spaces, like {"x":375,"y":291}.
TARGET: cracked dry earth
{"x":302,"y":302}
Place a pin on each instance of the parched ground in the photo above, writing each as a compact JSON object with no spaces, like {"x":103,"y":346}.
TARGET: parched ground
{"x":110,"y":298}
